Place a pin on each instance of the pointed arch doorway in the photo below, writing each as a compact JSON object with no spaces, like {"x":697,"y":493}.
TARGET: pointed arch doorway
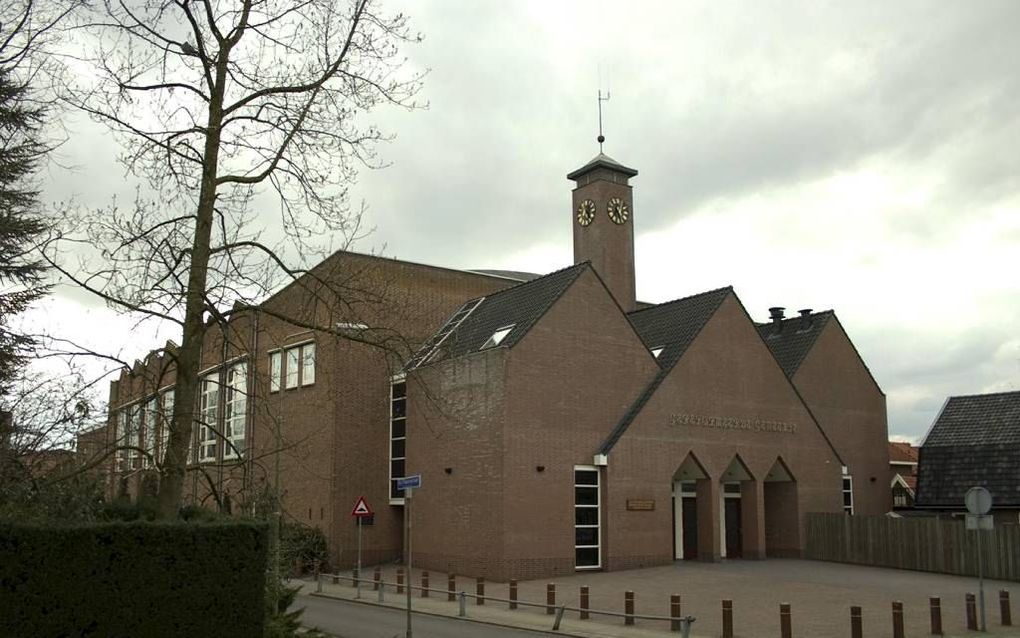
{"x":732,"y":514}
{"x":685,"y":507}
{"x":782,"y":529}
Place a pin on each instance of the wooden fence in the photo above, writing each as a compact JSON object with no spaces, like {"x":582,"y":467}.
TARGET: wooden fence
{"x":923,"y":544}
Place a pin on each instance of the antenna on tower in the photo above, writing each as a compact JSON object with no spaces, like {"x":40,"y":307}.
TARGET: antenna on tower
{"x":601,"y":138}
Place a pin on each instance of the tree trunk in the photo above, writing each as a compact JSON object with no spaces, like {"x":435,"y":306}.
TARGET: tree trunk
{"x":190,"y":353}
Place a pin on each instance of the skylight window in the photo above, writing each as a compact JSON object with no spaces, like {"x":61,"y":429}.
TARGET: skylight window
{"x":497,"y":337}
{"x":657,"y":351}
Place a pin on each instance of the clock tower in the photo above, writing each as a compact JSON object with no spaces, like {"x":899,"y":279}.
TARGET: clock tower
{"x":603,"y":219}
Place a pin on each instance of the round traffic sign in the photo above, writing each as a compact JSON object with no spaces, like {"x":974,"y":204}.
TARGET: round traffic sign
{"x":978,"y":501}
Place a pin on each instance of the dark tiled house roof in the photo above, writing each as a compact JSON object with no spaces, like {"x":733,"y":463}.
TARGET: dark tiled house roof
{"x":672,"y":326}
{"x":520,"y":306}
{"x":794,"y":339}
{"x":975,"y":441}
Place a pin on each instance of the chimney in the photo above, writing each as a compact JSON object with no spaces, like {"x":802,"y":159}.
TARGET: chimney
{"x":805,"y":319}
{"x":776,"y":313}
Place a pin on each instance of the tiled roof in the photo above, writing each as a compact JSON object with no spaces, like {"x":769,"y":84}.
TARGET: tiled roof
{"x":602,"y":160}
{"x":672,"y":326}
{"x":519,"y":306}
{"x":975,"y":441}
{"x":902,"y":452}
{"x":795,"y":338}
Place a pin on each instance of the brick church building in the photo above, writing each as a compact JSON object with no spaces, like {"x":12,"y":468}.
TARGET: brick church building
{"x":558,"y":423}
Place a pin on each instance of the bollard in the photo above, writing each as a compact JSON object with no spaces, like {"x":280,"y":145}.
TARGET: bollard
{"x":318,"y":578}
{"x":936,"y":615}
{"x":785,"y":622}
{"x":550,"y":598}
{"x":377,"y":579}
{"x":480,"y":590}
{"x":674,"y":612}
{"x":856,"y":623}
{"x":451,"y":587}
{"x":1005,"y":613}
{"x":462,"y":602}
{"x":971,"y":613}
{"x":400,"y":580}
{"x":584,"y":602}
{"x":628,"y":607}
{"x":424,"y":584}
{"x":727,"y":618}
{"x":897,"y":619}
{"x":513,"y":594}
{"x":381,"y":592}
{"x":336,"y":579}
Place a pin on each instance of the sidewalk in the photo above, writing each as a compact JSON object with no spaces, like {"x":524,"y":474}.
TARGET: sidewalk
{"x":820,"y":595}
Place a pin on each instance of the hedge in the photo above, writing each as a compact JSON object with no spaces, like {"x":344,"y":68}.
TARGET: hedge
{"x":133,"y":579}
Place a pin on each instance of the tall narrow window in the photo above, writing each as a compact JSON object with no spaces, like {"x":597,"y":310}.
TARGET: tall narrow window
{"x":308,"y":364}
{"x":275,"y":370}
{"x":133,"y":435}
{"x":235,"y":410}
{"x":848,"y":494}
{"x":586,"y":517}
{"x":168,"y":418}
{"x":208,"y":412}
{"x":293,"y":358}
{"x":151,"y":419}
{"x":398,"y":435}
{"x":120,"y":436}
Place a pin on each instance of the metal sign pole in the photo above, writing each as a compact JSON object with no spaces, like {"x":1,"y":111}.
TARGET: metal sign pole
{"x":407,"y":513}
{"x":981,"y":579}
{"x":358,"y":579}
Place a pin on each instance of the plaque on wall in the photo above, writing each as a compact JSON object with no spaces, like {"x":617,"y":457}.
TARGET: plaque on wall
{"x":640,"y":504}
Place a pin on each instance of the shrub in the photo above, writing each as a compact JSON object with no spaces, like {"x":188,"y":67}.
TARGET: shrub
{"x":299,"y":542}
{"x":133,"y":579}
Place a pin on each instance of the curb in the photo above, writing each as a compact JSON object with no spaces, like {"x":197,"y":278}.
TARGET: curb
{"x":539,"y":632}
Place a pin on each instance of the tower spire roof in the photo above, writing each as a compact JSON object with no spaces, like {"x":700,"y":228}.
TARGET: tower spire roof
{"x":602,"y":161}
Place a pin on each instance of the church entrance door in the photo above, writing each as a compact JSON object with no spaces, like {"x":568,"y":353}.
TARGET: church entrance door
{"x":734,"y":535}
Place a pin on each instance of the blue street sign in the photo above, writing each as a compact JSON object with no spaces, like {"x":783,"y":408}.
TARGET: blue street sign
{"x":409,"y":482}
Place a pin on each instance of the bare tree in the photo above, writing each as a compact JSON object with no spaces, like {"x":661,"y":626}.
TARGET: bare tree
{"x":220,"y":105}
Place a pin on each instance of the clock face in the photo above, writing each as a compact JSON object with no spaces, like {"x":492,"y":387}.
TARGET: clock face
{"x":618,"y":211}
{"x":585,"y":212}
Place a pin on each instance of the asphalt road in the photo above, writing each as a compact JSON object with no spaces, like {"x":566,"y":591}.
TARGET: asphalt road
{"x":357,"y":620}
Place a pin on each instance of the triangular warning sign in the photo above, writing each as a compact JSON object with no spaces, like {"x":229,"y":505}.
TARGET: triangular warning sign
{"x":361,"y":508}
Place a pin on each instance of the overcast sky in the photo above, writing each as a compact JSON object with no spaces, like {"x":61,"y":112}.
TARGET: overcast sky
{"x":856,"y":156}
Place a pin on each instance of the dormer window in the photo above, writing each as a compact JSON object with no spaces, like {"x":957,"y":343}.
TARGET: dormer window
{"x":657,"y":351}
{"x":497,"y":337}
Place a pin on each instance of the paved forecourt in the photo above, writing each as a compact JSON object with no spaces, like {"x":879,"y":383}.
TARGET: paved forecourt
{"x":820,"y":595}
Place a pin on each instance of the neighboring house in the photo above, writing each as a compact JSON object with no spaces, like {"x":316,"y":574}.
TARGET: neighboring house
{"x":558,"y":423}
{"x":902,"y":473}
{"x":975,"y":441}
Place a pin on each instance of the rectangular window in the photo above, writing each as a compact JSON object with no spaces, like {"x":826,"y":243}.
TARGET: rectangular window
{"x":848,"y":494}
{"x":167,"y":421}
{"x":308,"y":364}
{"x":293,"y":358}
{"x":235,"y":410}
{"x":151,"y":420}
{"x":398,"y":436}
{"x":208,"y":413}
{"x":133,"y":436}
{"x":587,"y":554}
{"x":120,"y":439}
{"x":275,"y":370}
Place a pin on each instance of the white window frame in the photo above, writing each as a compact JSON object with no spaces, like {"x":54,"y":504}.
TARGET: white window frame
{"x":275,"y":370}
{"x":308,"y":363}
{"x":498,"y":336}
{"x":209,"y":396}
{"x":292,"y":371}
{"x":598,"y":516}
{"x":235,"y":409}
{"x":133,"y":434}
{"x":166,"y":401}
{"x":120,"y":438}
{"x":657,"y":350}
{"x":150,"y":418}
{"x":394,"y":381}
{"x":848,"y":481}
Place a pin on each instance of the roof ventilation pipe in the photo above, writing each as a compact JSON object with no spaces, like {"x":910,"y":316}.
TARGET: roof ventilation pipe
{"x":776,"y":312}
{"x":805,"y":319}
